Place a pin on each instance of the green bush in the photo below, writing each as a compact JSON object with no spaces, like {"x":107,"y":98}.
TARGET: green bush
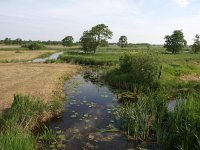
{"x":33,"y":46}
{"x":135,"y":71}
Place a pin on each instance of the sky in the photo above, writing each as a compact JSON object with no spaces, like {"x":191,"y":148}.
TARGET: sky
{"x":142,"y":21}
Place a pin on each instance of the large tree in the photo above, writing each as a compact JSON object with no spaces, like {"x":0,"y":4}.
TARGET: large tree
{"x":68,"y":41}
{"x":196,"y":45}
{"x":175,"y":42}
{"x":123,"y":41}
{"x":91,"y":39}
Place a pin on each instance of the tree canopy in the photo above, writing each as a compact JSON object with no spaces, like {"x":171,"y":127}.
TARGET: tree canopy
{"x":196,"y":45}
{"x":175,"y":42}
{"x":68,"y":41}
{"x":123,"y":41}
{"x":91,"y":39}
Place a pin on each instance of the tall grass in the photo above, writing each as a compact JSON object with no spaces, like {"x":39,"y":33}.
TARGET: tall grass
{"x":183,"y":125}
{"x":25,"y":114}
{"x":91,"y":59}
{"x":16,"y":138}
{"x":149,"y":119}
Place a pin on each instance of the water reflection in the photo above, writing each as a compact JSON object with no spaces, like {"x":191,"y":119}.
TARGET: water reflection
{"x":53,"y":56}
{"x":89,"y":121}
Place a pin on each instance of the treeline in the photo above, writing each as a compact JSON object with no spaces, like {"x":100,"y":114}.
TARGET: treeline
{"x":19,"y":41}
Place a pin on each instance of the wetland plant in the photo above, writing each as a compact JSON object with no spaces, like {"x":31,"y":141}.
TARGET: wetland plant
{"x":149,"y":120}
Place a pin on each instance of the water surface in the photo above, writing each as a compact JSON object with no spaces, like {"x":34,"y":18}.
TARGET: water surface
{"x":53,"y":56}
{"x":89,"y":119}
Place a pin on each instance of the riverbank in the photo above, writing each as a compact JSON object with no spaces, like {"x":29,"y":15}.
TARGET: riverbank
{"x":40,"y":94}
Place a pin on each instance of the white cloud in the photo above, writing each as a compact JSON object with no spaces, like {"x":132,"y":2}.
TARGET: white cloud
{"x":182,"y":3}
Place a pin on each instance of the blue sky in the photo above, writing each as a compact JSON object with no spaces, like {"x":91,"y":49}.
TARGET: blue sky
{"x":140,"y":20}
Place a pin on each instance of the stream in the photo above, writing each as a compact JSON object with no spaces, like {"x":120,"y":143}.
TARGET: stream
{"x":89,"y":120}
{"x":53,"y":56}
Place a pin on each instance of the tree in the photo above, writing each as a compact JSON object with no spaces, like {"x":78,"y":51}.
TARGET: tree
{"x":68,"y":41}
{"x":87,"y":41}
{"x":123,"y":41}
{"x":91,"y":39}
{"x":196,"y":45}
{"x":175,"y":42}
{"x":17,"y":41}
{"x":7,"y":41}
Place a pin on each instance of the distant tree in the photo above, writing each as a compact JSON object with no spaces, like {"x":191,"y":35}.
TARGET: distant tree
{"x":7,"y":41}
{"x":91,"y":39}
{"x":123,"y":41}
{"x":196,"y":45}
{"x":17,"y":41}
{"x":175,"y":42}
{"x":68,"y":41}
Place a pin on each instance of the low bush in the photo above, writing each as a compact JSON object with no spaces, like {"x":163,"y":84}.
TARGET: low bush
{"x":33,"y":46}
{"x":135,"y":71}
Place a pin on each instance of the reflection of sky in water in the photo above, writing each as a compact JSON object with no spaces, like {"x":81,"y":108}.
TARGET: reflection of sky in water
{"x":90,"y":109}
{"x":53,"y":56}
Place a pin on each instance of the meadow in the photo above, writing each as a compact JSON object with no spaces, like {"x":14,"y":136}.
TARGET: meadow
{"x":146,"y":120}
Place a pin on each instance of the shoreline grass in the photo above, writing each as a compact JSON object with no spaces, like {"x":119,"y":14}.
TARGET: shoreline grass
{"x":26,"y":114}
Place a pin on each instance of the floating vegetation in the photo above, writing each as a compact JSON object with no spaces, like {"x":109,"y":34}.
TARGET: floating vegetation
{"x":127,"y":97}
{"x":104,"y":95}
{"x":73,"y":116}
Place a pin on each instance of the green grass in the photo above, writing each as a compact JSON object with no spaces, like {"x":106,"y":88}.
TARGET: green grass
{"x":150,"y":120}
{"x":91,"y":59}
{"x":17,"y":138}
{"x":45,"y":55}
{"x":25,"y":114}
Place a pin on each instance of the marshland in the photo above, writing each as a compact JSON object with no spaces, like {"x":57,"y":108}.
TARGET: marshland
{"x":74,"y":83}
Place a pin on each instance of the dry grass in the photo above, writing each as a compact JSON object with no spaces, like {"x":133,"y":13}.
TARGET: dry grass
{"x":21,"y":55}
{"x":34,"y":79}
{"x":194,"y":77}
{"x":9,"y":46}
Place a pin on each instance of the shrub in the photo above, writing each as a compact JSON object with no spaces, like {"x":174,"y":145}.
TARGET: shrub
{"x":135,"y":71}
{"x":33,"y":46}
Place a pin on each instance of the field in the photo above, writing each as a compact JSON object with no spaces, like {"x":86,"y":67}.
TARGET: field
{"x":21,"y":56}
{"x":34,"y":79}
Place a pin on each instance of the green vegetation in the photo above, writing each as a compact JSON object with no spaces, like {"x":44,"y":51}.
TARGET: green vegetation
{"x":123,"y":41}
{"x":196,"y":45}
{"x":152,"y":78}
{"x":25,"y":114}
{"x":175,"y":42}
{"x":90,"y":59}
{"x":45,"y":55}
{"x":33,"y":46}
{"x":91,"y":39}
{"x":135,"y":71}
{"x":68,"y":41}
{"x":177,"y":129}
